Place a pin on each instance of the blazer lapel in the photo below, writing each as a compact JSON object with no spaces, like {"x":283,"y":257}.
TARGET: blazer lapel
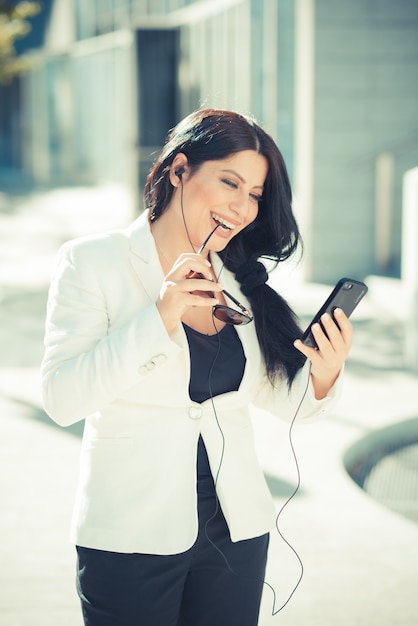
{"x":144,"y":256}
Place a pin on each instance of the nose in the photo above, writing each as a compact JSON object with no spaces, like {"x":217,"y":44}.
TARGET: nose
{"x":240,"y":205}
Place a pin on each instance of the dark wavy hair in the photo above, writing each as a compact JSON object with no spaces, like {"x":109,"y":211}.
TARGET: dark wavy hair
{"x":213,"y":134}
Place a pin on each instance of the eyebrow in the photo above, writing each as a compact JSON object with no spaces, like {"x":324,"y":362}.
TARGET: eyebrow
{"x":241,"y":178}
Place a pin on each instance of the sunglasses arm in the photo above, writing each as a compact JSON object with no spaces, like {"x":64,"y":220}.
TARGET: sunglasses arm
{"x":243,"y":309}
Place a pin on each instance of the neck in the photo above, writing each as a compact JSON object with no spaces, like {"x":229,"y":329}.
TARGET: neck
{"x":171,"y":239}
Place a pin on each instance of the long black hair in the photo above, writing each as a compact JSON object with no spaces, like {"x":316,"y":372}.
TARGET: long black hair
{"x":214,"y":134}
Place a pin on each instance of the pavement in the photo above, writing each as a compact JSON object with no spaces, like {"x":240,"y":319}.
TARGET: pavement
{"x":359,"y":553}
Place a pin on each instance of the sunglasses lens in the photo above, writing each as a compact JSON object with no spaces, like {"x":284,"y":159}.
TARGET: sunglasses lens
{"x":230,"y":316}
{"x":221,"y":312}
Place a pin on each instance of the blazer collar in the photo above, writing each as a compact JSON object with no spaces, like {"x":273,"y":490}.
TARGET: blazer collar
{"x":144,"y":256}
{"x":141,"y":241}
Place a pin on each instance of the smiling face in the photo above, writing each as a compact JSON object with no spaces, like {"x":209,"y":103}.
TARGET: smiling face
{"x":226,"y":192}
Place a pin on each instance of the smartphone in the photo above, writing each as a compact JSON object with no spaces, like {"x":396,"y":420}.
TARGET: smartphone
{"x":346,"y":295}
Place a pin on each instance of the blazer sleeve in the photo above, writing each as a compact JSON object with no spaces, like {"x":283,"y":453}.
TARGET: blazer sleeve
{"x":84,"y":366}
{"x":299,"y":400}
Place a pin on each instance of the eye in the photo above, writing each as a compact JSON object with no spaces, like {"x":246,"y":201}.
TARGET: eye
{"x":230,"y":183}
{"x":256,"y":197}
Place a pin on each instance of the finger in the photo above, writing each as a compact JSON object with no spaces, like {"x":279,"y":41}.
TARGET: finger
{"x":336,"y":340}
{"x":321,"y":338}
{"x":201,"y":273}
{"x":345,"y":325}
{"x":331,"y":333}
{"x":192,"y":264}
{"x":199,"y":284}
{"x":308,"y":351}
{"x":187,"y":256}
{"x":196,"y":299}
{"x":338,"y":332}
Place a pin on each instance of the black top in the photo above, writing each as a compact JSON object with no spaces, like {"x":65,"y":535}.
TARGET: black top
{"x":217,"y":362}
{"x":217,"y":366}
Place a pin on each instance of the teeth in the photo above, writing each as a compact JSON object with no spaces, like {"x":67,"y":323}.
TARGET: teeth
{"x":223,"y":222}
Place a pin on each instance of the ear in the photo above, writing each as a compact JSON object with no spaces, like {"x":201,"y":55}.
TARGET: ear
{"x":178,"y":169}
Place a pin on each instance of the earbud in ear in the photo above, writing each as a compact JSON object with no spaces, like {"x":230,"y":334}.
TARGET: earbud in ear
{"x":179,"y":173}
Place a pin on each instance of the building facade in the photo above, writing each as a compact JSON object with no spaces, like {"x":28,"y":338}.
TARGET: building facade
{"x":364,"y":129}
{"x":334,"y":82}
{"x":113,"y":77}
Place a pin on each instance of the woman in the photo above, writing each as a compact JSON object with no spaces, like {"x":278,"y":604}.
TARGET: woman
{"x":160,"y":337}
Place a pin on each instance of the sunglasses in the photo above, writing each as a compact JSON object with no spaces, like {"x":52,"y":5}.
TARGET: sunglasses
{"x":222,"y":312}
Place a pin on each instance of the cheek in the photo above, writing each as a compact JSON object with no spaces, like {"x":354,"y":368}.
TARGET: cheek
{"x":252,"y":213}
{"x":250,"y":217}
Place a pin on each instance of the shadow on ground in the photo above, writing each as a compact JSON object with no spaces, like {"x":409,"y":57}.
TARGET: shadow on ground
{"x":33,"y":412}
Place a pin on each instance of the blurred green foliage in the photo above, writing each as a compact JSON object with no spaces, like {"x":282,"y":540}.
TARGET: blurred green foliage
{"x":14,"y":25}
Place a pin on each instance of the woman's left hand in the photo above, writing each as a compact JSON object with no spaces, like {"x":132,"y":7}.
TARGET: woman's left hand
{"x":327,"y":361}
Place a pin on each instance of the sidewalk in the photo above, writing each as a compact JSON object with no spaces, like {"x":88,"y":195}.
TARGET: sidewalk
{"x":359,"y":557}
{"x":39,"y":460}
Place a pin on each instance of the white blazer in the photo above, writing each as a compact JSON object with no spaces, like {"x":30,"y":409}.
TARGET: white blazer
{"x":109,"y":360}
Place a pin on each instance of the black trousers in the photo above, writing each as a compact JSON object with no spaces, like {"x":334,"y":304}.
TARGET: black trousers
{"x":215,"y":583}
{"x":195,"y":588}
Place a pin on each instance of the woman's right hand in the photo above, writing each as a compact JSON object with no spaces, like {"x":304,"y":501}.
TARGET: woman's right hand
{"x":176,"y":294}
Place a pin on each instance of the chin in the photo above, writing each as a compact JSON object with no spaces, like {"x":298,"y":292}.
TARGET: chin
{"x":218,"y":246}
